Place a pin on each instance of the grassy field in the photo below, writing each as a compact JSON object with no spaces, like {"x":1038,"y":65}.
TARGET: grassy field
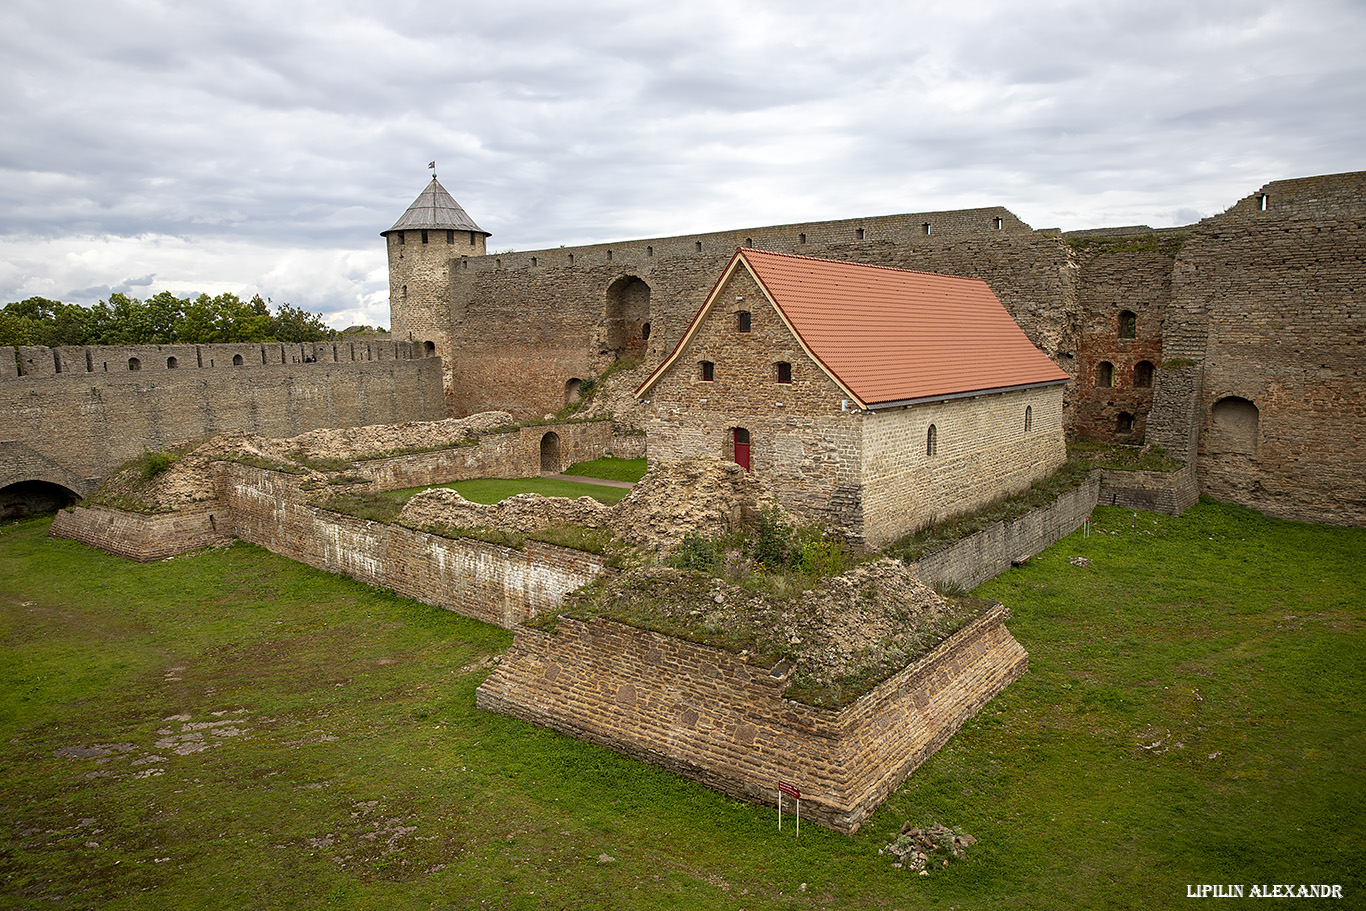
{"x":610,"y":469}
{"x":228,"y":729}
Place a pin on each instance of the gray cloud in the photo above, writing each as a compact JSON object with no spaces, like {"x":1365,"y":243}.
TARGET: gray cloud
{"x":251,"y":147}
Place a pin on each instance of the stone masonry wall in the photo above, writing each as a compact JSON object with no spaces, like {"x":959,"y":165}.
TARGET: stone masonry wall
{"x":990,"y":552}
{"x":803,"y":445}
{"x":521,"y":325}
{"x":144,"y":538}
{"x":703,"y":713}
{"x":982,"y":453}
{"x":91,"y":423}
{"x":1268,"y":299}
{"x":487,"y":582}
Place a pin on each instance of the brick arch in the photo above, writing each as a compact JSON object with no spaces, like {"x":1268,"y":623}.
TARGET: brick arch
{"x":32,"y":482}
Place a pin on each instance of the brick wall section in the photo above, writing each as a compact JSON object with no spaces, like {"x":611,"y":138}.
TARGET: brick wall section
{"x":91,"y":423}
{"x":983,"y":453}
{"x":703,"y":713}
{"x":143,"y":537}
{"x":1269,"y":302}
{"x":990,"y":552}
{"x":521,"y":325}
{"x":484,"y":581}
{"x":1114,"y":279}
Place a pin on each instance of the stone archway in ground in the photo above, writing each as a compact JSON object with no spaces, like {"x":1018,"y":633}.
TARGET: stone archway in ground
{"x":26,"y":498}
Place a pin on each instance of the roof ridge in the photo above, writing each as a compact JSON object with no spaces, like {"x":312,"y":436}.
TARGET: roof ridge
{"x":846,"y":262}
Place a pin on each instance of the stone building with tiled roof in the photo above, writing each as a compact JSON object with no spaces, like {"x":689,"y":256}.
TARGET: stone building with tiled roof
{"x":877,"y":399}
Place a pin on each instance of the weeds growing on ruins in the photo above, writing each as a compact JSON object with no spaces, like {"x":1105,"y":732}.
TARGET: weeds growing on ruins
{"x":230,"y":729}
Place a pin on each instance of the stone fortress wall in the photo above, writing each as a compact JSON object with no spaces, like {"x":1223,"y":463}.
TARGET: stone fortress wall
{"x":1235,"y":343}
{"x":70,"y":415}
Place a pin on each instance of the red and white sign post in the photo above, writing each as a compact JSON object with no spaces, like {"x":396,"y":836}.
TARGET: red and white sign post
{"x":790,"y":791}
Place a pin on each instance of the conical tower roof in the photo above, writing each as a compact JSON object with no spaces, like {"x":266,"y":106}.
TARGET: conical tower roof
{"x":435,"y":208}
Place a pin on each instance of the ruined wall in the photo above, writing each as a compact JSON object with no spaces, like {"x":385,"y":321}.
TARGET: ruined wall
{"x":89,"y":423}
{"x":523,"y":325}
{"x":495,"y":584}
{"x":1120,"y":274}
{"x":985,"y":447}
{"x":142,"y":537}
{"x":1268,"y":300}
{"x":704,"y":713}
{"x":802,"y":444}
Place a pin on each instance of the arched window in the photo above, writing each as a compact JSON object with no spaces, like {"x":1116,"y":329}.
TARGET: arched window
{"x":1029,"y":418}
{"x":645,"y":332}
{"x":237,"y":360}
{"x":428,"y":349}
{"x":1124,"y":423}
{"x":706,"y":371}
{"x":1143,"y":374}
{"x":172,"y":363}
{"x":1128,"y":324}
{"x":134,"y":364}
{"x":784,"y":372}
{"x":1234,"y":423}
{"x":1105,"y":374}
{"x":932,"y":441}
{"x":571,"y":390}
{"x":628,"y":312}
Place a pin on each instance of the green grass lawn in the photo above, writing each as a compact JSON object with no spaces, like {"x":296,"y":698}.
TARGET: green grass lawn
{"x":228,"y":729}
{"x":610,"y":469}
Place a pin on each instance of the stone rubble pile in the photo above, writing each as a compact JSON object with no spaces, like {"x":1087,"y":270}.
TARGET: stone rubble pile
{"x":919,"y":850}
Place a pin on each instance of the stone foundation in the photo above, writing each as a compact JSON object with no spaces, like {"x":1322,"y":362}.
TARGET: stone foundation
{"x":703,"y":713}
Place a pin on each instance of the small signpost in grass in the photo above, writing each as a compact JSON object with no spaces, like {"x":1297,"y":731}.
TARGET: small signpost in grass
{"x":790,"y":791}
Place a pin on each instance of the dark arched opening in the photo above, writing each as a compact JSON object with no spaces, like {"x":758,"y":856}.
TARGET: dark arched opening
{"x":628,"y":313}
{"x":550,"y":452}
{"x":237,"y":360}
{"x":428,"y":349}
{"x":1128,"y":324}
{"x":26,"y":498}
{"x":572,"y":390}
{"x":1143,"y":374}
{"x":1124,"y":423}
{"x":134,"y":364}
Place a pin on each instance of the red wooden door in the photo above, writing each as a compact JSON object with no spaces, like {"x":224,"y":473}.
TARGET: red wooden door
{"x":741,"y":447}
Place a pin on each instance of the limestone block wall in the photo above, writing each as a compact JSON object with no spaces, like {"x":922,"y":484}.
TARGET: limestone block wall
{"x":91,"y":423}
{"x":1171,"y":492}
{"x":484,"y":581}
{"x":990,"y":552}
{"x":1268,"y":300}
{"x":803,"y":444}
{"x":984,"y":448}
{"x":142,"y":537}
{"x":547,"y":313}
{"x":703,"y":713}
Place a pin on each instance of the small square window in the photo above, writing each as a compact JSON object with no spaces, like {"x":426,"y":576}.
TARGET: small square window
{"x":708,"y":371}
{"x":450,"y":237}
{"x":784,"y":372}
{"x":742,"y":321}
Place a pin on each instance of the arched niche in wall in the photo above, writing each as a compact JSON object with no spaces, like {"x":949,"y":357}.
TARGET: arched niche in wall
{"x":628,"y":313}
{"x":550,"y":452}
{"x":1234,"y":423}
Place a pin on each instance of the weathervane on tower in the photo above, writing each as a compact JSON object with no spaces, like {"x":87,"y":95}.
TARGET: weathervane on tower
{"x":432,"y":165}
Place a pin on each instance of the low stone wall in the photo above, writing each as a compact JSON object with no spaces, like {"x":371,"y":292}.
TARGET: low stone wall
{"x":1172,"y":492}
{"x":990,"y":552}
{"x":488,"y":582}
{"x":145,"y":537}
{"x":703,"y":713}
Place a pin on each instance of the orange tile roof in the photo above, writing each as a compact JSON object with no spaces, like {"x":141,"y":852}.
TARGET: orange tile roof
{"x":892,"y":336}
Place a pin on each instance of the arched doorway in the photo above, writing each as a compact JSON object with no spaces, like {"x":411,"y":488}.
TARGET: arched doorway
{"x":26,"y":498}
{"x":550,"y":452}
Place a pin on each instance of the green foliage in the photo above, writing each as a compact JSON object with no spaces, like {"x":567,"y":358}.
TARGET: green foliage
{"x":773,"y":540}
{"x":696,"y":552}
{"x":151,"y":464}
{"x":162,"y":319}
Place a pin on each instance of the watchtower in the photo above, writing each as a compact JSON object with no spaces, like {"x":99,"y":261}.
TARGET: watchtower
{"x":433,"y":234}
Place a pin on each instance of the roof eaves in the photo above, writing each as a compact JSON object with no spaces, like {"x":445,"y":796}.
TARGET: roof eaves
{"x":972,"y":393}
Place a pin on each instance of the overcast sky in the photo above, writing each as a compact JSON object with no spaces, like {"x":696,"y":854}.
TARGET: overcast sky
{"x":262,"y":146}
